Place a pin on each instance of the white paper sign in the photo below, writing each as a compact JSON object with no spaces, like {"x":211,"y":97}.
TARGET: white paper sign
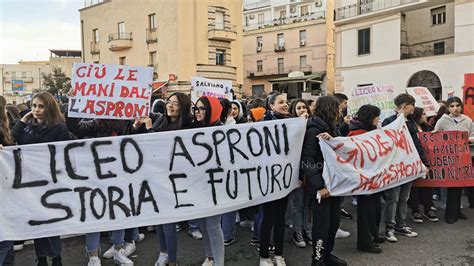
{"x":210,"y":87}
{"x":110,"y":91}
{"x":121,"y":182}
{"x":378,"y":95}
{"x":424,"y":99}
{"x":371,"y":162}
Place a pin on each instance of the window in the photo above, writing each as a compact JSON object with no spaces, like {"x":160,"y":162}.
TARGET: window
{"x":438,"y":15}
{"x":259,"y":41}
{"x":281,"y":66}
{"x":152,"y":58}
{"x":121,"y":30}
{"x":258,"y":90}
{"x":220,"y":57}
{"x":281,"y":39}
{"x":13,"y":75}
{"x":247,"y":20}
{"x":439,"y":48}
{"x":261,"y":19}
{"x":259,"y":66}
{"x":219,"y":20}
{"x":282,"y":13}
{"x":302,"y":35}
{"x":364,"y":41}
{"x":152,"y":21}
{"x":95,"y":35}
{"x":303,"y":61}
{"x":304,"y":10}
{"x":23,"y":74}
{"x":122,"y":60}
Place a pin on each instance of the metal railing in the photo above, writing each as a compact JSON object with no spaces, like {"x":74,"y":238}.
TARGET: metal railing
{"x":120,"y":36}
{"x":286,"y":20}
{"x":279,"y":47}
{"x":223,"y":26}
{"x":95,"y":49}
{"x":278,"y":71}
{"x":369,"y":6}
{"x":151,"y":35}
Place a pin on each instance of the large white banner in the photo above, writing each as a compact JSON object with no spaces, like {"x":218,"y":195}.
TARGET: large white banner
{"x":110,"y":91}
{"x":371,"y":162}
{"x":378,"y":95}
{"x":210,"y":87}
{"x":129,"y":181}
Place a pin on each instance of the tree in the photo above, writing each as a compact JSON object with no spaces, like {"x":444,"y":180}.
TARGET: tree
{"x":57,"y":83}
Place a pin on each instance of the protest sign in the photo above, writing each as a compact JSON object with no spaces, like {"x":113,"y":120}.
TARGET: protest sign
{"x":378,"y":95}
{"x":468,"y":95}
{"x":121,"y":182}
{"x":212,"y":88}
{"x":371,"y":162}
{"x":424,"y":99}
{"x":450,"y":159}
{"x":110,"y":91}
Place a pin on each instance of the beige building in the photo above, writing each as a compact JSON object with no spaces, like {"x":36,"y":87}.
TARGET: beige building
{"x":404,"y":43}
{"x":20,"y":80}
{"x":179,"y":38}
{"x":288,"y":47}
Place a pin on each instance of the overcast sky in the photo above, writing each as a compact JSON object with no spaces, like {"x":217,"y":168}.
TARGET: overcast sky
{"x":29,"y":28}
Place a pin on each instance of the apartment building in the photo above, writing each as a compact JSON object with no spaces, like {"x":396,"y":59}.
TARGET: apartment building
{"x":179,"y":39}
{"x":288,"y":47}
{"x":404,"y":43}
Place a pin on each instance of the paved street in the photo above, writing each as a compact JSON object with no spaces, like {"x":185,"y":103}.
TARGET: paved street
{"x":437,"y":244}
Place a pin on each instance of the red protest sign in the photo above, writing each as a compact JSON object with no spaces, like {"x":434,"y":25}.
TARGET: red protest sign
{"x":450,"y":159}
{"x":468,"y":95}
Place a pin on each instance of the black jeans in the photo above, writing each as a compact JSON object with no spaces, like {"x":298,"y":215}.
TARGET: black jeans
{"x":369,"y":211}
{"x":48,"y":246}
{"x":453,"y":203}
{"x":470,"y":196}
{"x":423,"y":195}
{"x":273,"y":217}
{"x":326,"y":215}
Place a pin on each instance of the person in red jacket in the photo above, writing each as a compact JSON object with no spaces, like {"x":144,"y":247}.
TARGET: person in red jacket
{"x":369,"y":207}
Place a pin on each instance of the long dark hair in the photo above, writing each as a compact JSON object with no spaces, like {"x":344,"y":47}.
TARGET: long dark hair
{"x":207,"y":106}
{"x":417,"y":114}
{"x":327,"y":108}
{"x":443,"y":109}
{"x":366,"y":115}
{"x":184,"y":119}
{"x":5,"y":133}
{"x":13,"y":113}
{"x":293,"y":107}
{"x":52,"y":114}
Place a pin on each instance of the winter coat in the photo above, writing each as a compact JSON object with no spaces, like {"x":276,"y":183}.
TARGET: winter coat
{"x":83,"y":128}
{"x":31,"y":133}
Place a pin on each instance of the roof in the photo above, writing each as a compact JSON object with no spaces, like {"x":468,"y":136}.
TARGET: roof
{"x":66,"y":53}
{"x":318,"y":76}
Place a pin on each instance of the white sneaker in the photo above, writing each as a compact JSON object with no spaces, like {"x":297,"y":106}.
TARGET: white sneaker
{"x":162,"y":259}
{"x":280,"y":261}
{"x":342,"y":234}
{"x":109,"y":253}
{"x":150,"y":228}
{"x":354,"y":201}
{"x":196,"y":234}
{"x":390,"y":236}
{"x":140,"y":237}
{"x":121,"y":259}
{"x":94,"y":261}
{"x":129,"y":248}
{"x":18,"y":247}
{"x":208,"y":262}
{"x":266,"y":262}
{"x":246,"y":224}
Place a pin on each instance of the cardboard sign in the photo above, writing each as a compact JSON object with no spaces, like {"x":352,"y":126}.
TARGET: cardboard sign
{"x":110,"y":91}
{"x":424,"y":99}
{"x":371,"y":162}
{"x":468,"y":95}
{"x":378,"y":95}
{"x":122,"y":182}
{"x":450,"y":159}
{"x":212,"y":88}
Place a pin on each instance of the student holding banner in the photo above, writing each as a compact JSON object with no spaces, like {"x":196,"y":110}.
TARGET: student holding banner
{"x":369,"y":207}
{"x":43,"y":124}
{"x":207,"y":112}
{"x":326,"y":218}
{"x":177,"y":116}
{"x":455,"y":121}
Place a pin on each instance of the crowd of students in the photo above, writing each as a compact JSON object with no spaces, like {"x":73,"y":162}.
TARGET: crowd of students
{"x":314,"y":223}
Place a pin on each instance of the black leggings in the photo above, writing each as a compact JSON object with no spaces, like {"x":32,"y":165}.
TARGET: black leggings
{"x":326,"y":215}
{"x":273,"y":217}
{"x":369,"y":210}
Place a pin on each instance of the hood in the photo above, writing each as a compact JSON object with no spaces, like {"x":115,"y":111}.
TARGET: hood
{"x":216,"y":110}
{"x":356,"y":125}
{"x":257,"y":113}
{"x":318,"y":123}
{"x":241,"y":110}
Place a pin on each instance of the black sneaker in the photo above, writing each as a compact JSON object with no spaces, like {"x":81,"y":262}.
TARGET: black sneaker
{"x":431,"y":216}
{"x":230,"y":241}
{"x":308,"y":237}
{"x":462,"y":216}
{"x":406,"y":231}
{"x":417,"y":218}
{"x":254,"y":242}
{"x":346,"y":215}
{"x":333,"y":260}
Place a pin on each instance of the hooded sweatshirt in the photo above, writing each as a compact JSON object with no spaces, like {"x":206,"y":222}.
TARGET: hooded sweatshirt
{"x":460,"y":123}
{"x":240,"y":118}
{"x":215,"y":109}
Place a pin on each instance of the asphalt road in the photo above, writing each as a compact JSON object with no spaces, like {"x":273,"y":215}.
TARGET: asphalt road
{"x":437,"y":244}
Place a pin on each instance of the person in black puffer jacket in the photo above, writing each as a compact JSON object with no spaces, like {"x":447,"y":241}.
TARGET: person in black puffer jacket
{"x":326,"y":211}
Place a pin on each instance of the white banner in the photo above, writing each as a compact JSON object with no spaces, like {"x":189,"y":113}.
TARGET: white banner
{"x":371,"y":162}
{"x":110,"y":91}
{"x":212,"y":88}
{"x":424,"y":99}
{"x":378,"y":95}
{"x":129,"y":181}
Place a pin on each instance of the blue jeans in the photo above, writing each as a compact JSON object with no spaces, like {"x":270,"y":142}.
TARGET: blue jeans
{"x":213,"y":238}
{"x":396,"y":206}
{"x":228,"y":225}
{"x":7,"y":255}
{"x":48,"y":247}
{"x":119,"y":237}
{"x":300,"y":209}
{"x":193,"y":225}
{"x":168,"y":243}
{"x":257,"y":223}
{"x":92,"y":242}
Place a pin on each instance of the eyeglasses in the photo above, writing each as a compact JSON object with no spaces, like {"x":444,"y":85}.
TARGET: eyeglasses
{"x":199,"y":109}
{"x":175,"y":103}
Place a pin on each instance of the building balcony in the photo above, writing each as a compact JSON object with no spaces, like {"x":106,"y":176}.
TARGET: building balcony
{"x":25,"y":79}
{"x":278,"y":71}
{"x":285,"y":21}
{"x":151,"y":35}
{"x":279,"y":47}
{"x":95,"y":49}
{"x":222,"y":32}
{"x":120,"y":41}
{"x":216,"y":71}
